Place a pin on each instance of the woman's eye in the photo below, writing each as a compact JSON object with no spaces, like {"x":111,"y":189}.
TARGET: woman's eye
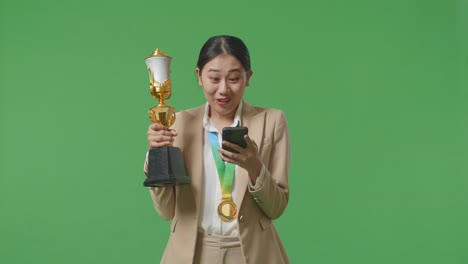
{"x":233,"y":79}
{"x":214,"y":79}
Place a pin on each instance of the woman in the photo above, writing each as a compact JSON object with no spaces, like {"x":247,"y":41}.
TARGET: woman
{"x":199,"y":233}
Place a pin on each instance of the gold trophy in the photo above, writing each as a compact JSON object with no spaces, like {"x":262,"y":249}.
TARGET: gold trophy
{"x":165,"y":164}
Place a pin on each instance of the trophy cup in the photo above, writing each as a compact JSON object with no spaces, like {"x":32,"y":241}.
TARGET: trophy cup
{"x":165,"y":164}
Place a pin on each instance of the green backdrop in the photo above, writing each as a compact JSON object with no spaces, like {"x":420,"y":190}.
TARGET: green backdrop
{"x":375,"y":93}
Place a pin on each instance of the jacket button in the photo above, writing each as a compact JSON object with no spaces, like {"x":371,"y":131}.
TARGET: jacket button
{"x":241,"y":218}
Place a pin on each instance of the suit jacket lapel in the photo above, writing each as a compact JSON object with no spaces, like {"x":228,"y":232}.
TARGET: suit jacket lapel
{"x":194,"y":150}
{"x":254,"y":120}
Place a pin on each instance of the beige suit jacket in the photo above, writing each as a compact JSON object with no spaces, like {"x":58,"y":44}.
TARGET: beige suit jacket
{"x":256,"y":209}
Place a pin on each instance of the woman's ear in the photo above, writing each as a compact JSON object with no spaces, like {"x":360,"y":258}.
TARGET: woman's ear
{"x":198,"y":73}
{"x":249,"y":74}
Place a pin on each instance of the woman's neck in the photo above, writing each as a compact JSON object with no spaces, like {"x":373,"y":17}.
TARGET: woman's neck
{"x":221,"y":121}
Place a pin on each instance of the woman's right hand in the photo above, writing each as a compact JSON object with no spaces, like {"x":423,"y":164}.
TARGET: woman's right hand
{"x":159,"y":136}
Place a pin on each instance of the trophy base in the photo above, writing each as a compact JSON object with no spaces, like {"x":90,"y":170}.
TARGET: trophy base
{"x":166,"y":167}
{"x":154,"y":182}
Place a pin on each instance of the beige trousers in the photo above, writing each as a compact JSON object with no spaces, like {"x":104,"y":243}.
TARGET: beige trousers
{"x":215,"y":249}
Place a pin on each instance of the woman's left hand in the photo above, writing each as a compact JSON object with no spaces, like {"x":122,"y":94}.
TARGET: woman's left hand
{"x":247,"y":157}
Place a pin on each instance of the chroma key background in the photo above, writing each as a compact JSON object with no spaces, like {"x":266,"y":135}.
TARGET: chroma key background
{"x":375,"y":93}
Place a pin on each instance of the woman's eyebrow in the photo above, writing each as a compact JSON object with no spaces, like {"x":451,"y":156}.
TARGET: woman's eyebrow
{"x":215,"y":70}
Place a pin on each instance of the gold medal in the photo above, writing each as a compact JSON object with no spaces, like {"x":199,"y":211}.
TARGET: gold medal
{"x":227,"y":210}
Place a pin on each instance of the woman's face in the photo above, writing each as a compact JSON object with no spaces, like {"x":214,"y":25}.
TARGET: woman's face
{"x":223,"y":80}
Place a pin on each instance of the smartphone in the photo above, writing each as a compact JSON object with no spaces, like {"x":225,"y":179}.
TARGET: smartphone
{"x":235,"y":135}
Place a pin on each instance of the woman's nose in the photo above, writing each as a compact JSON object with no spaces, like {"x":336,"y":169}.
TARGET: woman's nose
{"x":223,"y":87}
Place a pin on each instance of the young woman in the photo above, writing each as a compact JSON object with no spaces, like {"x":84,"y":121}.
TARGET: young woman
{"x":225,"y":215}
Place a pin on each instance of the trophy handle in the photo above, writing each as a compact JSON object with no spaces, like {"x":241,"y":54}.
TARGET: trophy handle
{"x":173,"y":118}
{"x":162,"y":114}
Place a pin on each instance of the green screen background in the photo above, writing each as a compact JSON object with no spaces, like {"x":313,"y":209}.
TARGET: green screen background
{"x":375,"y":93}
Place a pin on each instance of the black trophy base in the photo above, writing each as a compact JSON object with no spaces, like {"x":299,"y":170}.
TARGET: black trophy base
{"x":166,"y":167}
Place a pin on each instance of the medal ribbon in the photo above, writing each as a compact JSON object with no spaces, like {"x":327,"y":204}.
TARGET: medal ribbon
{"x":225,"y":169}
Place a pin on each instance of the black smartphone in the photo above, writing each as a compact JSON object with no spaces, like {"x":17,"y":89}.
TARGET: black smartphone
{"x":235,"y":135}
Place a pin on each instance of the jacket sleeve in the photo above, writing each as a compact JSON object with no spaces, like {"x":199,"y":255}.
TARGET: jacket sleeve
{"x":163,"y":197}
{"x":273,"y":196}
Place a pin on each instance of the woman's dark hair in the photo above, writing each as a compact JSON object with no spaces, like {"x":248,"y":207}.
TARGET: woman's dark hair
{"x":217,"y":45}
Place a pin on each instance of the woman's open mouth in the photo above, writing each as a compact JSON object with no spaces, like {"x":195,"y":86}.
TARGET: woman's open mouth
{"x":223,"y":101}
